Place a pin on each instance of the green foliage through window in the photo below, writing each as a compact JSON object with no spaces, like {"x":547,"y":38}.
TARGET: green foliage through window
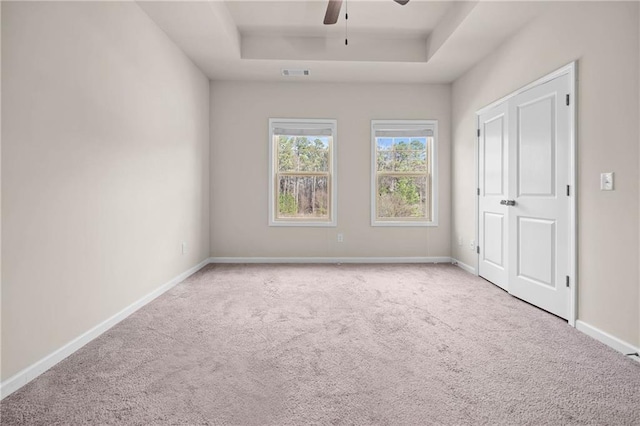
{"x":402,"y":166}
{"x":287,"y":204}
{"x":303,"y":165}
{"x":402,"y":197}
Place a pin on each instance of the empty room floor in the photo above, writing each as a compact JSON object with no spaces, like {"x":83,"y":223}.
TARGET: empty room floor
{"x":335,"y":344}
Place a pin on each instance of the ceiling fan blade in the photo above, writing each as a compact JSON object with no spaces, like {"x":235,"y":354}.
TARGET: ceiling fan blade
{"x":333,"y":11}
{"x":401,"y":2}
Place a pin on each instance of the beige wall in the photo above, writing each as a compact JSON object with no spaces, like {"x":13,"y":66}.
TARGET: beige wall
{"x":239,"y":174}
{"x":603,"y":37}
{"x":104,"y":169}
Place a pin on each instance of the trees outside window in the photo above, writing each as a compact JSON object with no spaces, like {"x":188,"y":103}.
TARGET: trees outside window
{"x":403,"y":167}
{"x":302,"y":186}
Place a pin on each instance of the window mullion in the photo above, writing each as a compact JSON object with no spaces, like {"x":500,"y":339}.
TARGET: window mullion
{"x":303,"y":173}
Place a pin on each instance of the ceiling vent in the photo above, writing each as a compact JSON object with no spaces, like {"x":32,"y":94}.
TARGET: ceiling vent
{"x":294,"y":73}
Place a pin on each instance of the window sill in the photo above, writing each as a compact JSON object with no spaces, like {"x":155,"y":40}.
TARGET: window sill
{"x":303,"y":224}
{"x":415,"y":224}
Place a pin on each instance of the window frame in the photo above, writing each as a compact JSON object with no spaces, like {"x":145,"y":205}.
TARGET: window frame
{"x":312,"y":123}
{"x":432,"y":155}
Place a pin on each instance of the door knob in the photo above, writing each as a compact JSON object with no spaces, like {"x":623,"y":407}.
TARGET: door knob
{"x":508,"y":202}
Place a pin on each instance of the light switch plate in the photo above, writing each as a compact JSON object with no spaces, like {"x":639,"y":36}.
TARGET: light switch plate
{"x":606,"y":181}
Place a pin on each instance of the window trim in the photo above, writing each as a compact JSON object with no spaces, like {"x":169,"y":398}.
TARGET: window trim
{"x":333,"y":172}
{"x":433,"y":153}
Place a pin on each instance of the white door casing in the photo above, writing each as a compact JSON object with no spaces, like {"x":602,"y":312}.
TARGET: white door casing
{"x":533,"y":229}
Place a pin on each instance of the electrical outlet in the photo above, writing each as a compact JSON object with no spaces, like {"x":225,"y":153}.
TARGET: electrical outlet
{"x":472,"y":245}
{"x":340,"y":238}
{"x":184,"y":248}
{"x":460,"y":241}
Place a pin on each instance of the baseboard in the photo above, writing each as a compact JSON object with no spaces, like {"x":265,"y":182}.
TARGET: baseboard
{"x":330,"y":259}
{"x":464,"y":266}
{"x":606,"y":338}
{"x":20,"y":379}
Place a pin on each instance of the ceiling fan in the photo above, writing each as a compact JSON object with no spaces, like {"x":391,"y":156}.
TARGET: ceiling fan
{"x":333,"y":10}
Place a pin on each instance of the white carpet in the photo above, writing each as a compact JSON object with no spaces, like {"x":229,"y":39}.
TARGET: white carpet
{"x":329,"y":344}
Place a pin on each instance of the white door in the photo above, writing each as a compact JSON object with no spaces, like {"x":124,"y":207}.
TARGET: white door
{"x":539,"y":220}
{"x":523,"y":202}
{"x":493,"y":164}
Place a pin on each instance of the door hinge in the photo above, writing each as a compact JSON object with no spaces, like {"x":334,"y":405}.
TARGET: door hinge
{"x":568,"y":190}
{"x":478,"y":249}
{"x":478,"y":191}
{"x":568,"y":99}
{"x":567,"y":280}
{"x":478,"y":132}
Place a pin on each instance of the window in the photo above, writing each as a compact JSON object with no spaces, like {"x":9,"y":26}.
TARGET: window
{"x":302,"y":188}
{"x":403,"y":178}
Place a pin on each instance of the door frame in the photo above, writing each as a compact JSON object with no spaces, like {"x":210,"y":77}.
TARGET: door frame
{"x":571,"y":69}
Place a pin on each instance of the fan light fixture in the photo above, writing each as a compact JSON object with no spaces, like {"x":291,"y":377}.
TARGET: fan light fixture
{"x":333,"y":10}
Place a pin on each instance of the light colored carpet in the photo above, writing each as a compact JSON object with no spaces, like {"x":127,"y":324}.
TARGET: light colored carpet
{"x":331,"y":344}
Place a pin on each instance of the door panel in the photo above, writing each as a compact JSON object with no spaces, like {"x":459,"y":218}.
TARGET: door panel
{"x":523,"y":157}
{"x":540,"y":217}
{"x":493,"y":168}
{"x":536,"y":147}
{"x":492,"y":250}
{"x":536,"y":251}
{"x":494,"y":157}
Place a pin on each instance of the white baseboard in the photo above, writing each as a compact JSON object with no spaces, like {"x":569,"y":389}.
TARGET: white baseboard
{"x":606,"y":338}
{"x":330,"y":259}
{"x":464,"y":266}
{"x":23,"y":377}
